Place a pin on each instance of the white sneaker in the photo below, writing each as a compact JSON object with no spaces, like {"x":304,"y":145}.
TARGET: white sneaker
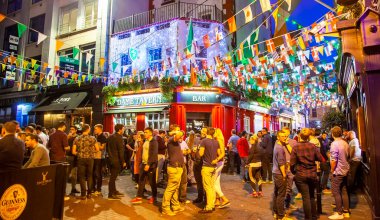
{"x":336,"y":216}
{"x":346,"y":214}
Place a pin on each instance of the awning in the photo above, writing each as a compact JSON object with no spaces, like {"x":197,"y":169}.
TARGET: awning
{"x":67,"y":101}
{"x":136,"y":110}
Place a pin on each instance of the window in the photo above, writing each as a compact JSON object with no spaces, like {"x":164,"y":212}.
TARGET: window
{"x":36,"y":1}
{"x":87,"y":66}
{"x":66,"y":53}
{"x":127,"y":119}
{"x":68,"y":21}
{"x":37,"y":23}
{"x":314,"y":112}
{"x":247,"y":124}
{"x":8,"y":46}
{"x":157,"y":120}
{"x":5,"y":114}
{"x":14,"y":5}
{"x":155,"y":58}
{"x":91,"y":13}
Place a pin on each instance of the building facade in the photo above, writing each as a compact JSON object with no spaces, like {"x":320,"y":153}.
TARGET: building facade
{"x":359,"y":81}
{"x":81,"y":28}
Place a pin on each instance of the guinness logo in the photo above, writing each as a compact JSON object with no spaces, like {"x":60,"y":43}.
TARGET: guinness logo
{"x":13,"y":202}
{"x":44,"y":180}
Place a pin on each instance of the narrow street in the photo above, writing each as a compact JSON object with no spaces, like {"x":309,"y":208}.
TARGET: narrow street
{"x":242,"y":205}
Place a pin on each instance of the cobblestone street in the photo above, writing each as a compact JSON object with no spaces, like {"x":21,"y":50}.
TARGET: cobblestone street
{"x":242,"y":205}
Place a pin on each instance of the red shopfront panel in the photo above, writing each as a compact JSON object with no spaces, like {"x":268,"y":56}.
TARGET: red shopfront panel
{"x":108,"y":123}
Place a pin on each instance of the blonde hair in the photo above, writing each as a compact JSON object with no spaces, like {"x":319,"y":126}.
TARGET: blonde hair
{"x":218,"y":135}
{"x":253,"y":139}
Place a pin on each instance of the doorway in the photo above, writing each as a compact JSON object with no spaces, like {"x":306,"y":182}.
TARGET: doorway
{"x":196,"y":120}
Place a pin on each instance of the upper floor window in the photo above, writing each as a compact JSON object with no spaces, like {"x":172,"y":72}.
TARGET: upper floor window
{"x":37,"y":23}
{"x":68,"y":19}
{"x":14,"y":5}
{"x":36,"y":1}
{"x":91,"y":13}
{"x":155,"y":58}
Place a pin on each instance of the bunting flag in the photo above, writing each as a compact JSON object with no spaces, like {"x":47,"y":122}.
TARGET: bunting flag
{"x":218,"y":35}
{"x":265,"y":5}
{"x":170,"y":63}
{"x":319,"y":38}
{"x":114,"y":65}
{"x":270,"y":46}
{"x":248,"y":14}
{"x":231,"y":24}
{"x":179,"y":58}
{"x":184,"y":69}
{"x":21,"y":28}
{"x":102,"y":60}
{"x":206,"y":41}
{"x":320,"y":49}
{"x":44,"y":66}
{"x":301,"y":43}
{"x":88,"y":57}
{"x":256,"y":34}
{"x":58,"y":45}
{"x":288,"y":40}
{"x":75,"y":52}
{"x":196,"y":47}
{"x":255,"y":50}
{"x":314,"y":53}
{"x":25,"y":64}
{"x":239,"y":54}
{"x":2,"y":17}
{"x":41,"y":37}
{"x":190,"y":37}
{"x":33,"y":62}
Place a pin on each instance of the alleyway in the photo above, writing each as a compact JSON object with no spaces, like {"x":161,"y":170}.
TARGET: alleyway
{"x":242,"y":205}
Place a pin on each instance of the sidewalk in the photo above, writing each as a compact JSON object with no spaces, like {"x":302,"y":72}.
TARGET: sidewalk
{"x":242,"y":205}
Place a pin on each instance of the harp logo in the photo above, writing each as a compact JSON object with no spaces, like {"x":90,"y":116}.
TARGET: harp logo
{"x":13,"y":202}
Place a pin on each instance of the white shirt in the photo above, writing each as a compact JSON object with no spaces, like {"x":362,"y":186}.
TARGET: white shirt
{"x":184,"y":146}
{"x":354,"y":144}
{"x":44,"y":138}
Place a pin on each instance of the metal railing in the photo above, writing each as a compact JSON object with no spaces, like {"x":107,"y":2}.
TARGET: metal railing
{"x":84,"y":23}
{"x":167,"y":12}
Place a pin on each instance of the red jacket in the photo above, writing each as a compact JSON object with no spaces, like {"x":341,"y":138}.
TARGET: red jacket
{"x":242,"y":147}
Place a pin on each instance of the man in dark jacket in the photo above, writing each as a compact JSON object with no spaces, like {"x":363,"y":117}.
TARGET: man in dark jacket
{"x":11,"y":149}
{"x":115,"y":150}
{"x":148,"y":167}
{"x":58,"y":143}
{"x":161,"y":154}
{"x":266,"y":145}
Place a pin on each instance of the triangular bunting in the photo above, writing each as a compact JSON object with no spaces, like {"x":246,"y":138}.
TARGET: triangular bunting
{"x":41,"y":37}
{"x":75,"y":52}
{"x":114,"y":65}
{"x":88,"y":57}
{"x":58,"y":45}
{"x":101,"y":63}
{"x":33,"y":62}
{"x":2,"y":17}
{"x":320,"y":49}
{"x":21,"y":28}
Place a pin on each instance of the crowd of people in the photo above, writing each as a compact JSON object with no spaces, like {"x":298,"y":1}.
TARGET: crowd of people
{"x":293,"y":161}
